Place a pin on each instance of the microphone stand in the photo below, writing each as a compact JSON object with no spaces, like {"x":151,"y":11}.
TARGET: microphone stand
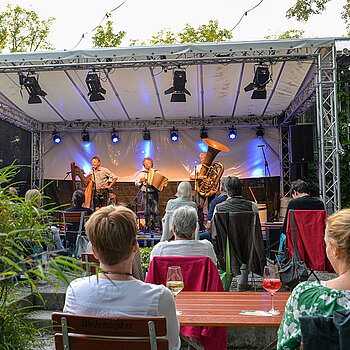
{"x":94,"y":190}
{"x":147,"y":208}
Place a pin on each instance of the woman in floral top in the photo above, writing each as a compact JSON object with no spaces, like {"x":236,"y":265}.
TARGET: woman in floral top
{"x":321,"y":299}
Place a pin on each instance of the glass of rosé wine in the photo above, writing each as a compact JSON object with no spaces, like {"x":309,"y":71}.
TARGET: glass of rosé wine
{"x":272,"y":283}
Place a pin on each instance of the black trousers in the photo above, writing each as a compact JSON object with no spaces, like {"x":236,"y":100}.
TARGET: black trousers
{"x":100,"y":198}
{"x":151,"y":204}
{"x":200,"y":203}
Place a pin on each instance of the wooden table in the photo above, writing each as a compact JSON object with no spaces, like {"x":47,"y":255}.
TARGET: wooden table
{"x":222,"y":309}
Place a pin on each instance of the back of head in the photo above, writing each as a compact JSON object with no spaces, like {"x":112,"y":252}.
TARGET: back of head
{"x":30,"y":194}
{"x":185,"y":222}
{"x":78,"y":198}
{"x":223,"y":184}
{"x":112,"y":233}
{"x":184,"y":190}
{"x":233,"y":186}
{"x":338,"y":231}
{"x":300,"y":186}
{"x":13,"y":191}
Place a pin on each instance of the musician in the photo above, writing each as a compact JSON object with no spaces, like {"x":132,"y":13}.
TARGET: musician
{"x":103,"y":180}
{"x":201,"y":199}
{"x":150,"y":195}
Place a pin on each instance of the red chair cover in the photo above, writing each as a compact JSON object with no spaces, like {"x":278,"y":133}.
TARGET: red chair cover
{"x":310,"y":227}
{"x":199,"y":274}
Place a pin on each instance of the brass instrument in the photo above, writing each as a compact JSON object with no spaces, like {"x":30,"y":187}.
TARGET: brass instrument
{"x":211,"y":171}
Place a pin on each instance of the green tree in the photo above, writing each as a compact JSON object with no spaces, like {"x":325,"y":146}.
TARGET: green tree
{"x":304,"y":9}
{"x":22,"y":30}
{"x":288,"y":34}
{"x":205,"y":33}
{"x":105,"y":37}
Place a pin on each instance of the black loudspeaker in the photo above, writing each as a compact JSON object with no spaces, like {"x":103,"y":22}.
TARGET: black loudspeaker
{"x":301,"y":143}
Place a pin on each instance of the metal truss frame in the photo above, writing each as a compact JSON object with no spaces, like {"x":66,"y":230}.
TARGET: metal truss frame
{"x":37,"y":169}
{"x":327,"y":130}
{"x":285,"y":164}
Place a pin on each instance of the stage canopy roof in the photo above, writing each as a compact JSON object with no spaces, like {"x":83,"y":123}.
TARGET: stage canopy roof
{"x":135,"y":79}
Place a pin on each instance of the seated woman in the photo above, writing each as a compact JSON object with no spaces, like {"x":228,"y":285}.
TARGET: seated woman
{"x":185,"y":222}
{"x":183,"y":195}
{"x":112,"y":233}
{"x":321,"y":299}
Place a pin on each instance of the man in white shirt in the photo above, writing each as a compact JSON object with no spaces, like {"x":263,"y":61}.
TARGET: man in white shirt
{"x":184,"y":226}
{"x":116,"y":293}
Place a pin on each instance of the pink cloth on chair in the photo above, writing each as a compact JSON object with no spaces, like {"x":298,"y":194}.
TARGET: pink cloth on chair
{"x":199,"y":274}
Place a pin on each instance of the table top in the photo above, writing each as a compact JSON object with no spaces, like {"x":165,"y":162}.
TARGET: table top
{"x":277,"y":224}
{"x":223,"y":309}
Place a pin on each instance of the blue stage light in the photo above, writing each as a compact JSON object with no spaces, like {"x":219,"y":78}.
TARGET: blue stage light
{"x":56,"y":137}
{"x":114,"y":136}
{"x":232,"y":133}
{"x":174,"y":135}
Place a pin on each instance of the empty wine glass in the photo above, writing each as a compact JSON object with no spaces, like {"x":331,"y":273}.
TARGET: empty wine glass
{"x":174,"y":282}
{"x":272,"y":283}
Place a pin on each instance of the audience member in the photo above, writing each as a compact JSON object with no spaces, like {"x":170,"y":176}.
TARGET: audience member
{"x":112,"y":233}
{"x":185,"y":221}
{"x":78,"y":200}
{"x":312,"y":298}
{"x":236,"y":203}
{"x":183,"y":195}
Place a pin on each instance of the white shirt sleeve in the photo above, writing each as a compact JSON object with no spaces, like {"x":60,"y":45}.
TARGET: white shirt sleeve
{"x":167,"y":308}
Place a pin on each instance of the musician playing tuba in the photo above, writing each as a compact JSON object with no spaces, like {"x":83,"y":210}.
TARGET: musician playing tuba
{"x":207,"y":176}
{"x":149,"y":194}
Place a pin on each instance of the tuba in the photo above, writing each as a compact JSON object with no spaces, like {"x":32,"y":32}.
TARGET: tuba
{"x":211,"y":171}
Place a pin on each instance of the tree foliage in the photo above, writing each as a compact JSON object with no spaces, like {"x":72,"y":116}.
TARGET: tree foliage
{"x":304,"y":9}
{"x":288,"y":34}
{"x":22,"y":30}
{"x":105,"y":37}
{"x":205,"y":33}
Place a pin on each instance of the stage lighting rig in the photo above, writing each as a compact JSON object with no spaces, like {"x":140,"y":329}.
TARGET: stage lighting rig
{"x":260,"y":131}
{"x":56,"y":137}
{"x":174,"y":136}
{"x":178,"y":89}
{"x":261,"y":79}
{"x":85,"y":136}
{"x":204,"y":133}
{"x":114,"y":136}
{"x":95,"y":89}
{"x":146,"y":134}
{"x":232,"y":134}
{"x":33,"y":88}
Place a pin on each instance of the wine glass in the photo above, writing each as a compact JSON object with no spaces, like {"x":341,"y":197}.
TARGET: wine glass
{"x":272,"y":283}
{"x":174,"y":282}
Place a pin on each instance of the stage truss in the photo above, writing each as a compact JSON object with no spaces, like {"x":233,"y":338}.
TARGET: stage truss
{"x":319,"y":87}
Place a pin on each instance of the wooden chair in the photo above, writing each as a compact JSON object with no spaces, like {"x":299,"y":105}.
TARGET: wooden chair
{"x":74,"y":332}
{"x":88,"y":268}
{"x":69,"y":218}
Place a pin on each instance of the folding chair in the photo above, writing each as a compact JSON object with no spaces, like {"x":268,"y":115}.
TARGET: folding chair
{"x":69,"y":218}
{"x":310,"y":226}
{"x":88,"y":268}
{"x":75,"y":332}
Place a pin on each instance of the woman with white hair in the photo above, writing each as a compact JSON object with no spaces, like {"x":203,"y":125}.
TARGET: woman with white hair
{"x":183,"y":195}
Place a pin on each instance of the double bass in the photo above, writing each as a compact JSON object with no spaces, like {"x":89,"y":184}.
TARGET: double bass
{"x":87,"y":181}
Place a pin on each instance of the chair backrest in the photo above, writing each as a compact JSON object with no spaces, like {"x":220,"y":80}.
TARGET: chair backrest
{"x":74,"y":218}
{"x":199,"y":273}
{"x":89,"y":258}
{"x":75,"y":332}
{"x":245,"y":239}
{"x":310,"y":227}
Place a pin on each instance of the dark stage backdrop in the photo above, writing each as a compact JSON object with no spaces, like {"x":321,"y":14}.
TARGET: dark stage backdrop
{"x":15,"y":146}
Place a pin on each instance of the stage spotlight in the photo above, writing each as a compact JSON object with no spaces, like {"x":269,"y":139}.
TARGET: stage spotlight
{"x":261,"y":79}
{"x":204,"y":133}
{"x":33,"y":88}
{"x":95,"y":89}
{"x":85,"y":136}
{"x":232,"y":134}
{"x":146,"y":134}
{"x":174,"y":135}
{"x":178,"y":89}
{"x":260,"y":131}
{"x":56,"y":137}
{"x":114,"y":136}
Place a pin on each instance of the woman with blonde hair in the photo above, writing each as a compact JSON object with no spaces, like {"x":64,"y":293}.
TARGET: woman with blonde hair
{"x":183,"y":195}
{"x":321,"y":299}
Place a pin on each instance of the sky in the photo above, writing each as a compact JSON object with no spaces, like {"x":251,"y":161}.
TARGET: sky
{"x":141,"y":19}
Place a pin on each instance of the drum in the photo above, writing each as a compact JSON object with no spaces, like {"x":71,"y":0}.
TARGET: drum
{"x":157,"y":180}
